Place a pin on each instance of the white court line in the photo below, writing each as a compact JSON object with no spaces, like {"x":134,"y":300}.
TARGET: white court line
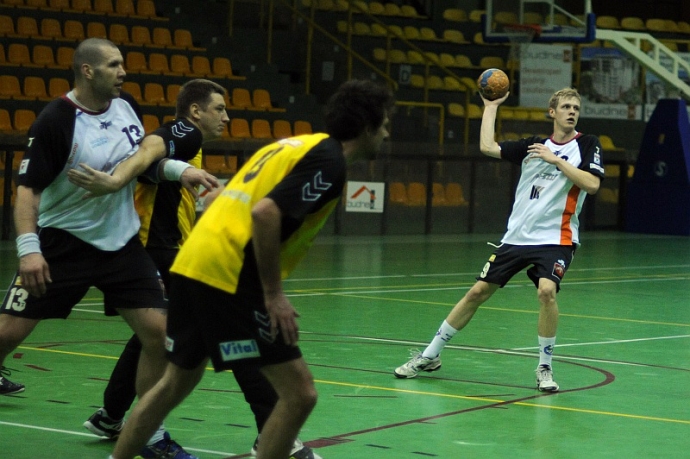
{"x":82,"y":434}
{"x":616,"y":341}
{"x":521,"y":351}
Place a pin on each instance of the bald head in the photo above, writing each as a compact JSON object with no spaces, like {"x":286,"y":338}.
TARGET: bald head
{"x":91,"y":52}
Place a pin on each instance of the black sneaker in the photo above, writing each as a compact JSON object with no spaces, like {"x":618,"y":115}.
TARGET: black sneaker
{"x":7,"y":387}
{"x":104,"y":426}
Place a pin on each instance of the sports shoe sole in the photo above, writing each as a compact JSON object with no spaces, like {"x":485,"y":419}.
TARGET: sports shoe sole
{"x":428,"y":370}
{"x":18,"y":391}
{"x":101,"y":433}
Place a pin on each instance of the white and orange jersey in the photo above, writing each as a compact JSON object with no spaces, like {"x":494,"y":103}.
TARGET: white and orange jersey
{"x":547,"y":203}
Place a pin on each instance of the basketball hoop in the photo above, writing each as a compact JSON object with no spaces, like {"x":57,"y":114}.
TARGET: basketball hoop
{"x":520,"y":36}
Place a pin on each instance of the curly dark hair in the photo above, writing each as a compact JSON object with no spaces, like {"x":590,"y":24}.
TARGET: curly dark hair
{"x":356,"y":106}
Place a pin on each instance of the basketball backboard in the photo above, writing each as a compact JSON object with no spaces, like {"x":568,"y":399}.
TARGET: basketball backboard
{"x":555,"y":21}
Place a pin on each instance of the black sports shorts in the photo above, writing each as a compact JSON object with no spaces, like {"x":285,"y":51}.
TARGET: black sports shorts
{"x":207,"y":322}
{"x":548,"y":261}
{"x":127,"y":277}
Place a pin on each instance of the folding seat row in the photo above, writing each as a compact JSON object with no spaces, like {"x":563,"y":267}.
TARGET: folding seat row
{"x":73,"y":30}
{"x":18,"y":122}
{"x":41,"y":56}
{"x":32,"y":88}
{"x":241,"y":128}
{"x":414,"y":194}
{"x":179,"y":65}
{"x":144,"y":9}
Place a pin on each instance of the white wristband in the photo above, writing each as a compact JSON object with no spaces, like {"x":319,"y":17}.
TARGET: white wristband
{"x":173,"y":169}
{"x":28,"y":243}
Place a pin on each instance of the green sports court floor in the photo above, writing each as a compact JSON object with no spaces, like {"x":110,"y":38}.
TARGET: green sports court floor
{"x":622,"y":360}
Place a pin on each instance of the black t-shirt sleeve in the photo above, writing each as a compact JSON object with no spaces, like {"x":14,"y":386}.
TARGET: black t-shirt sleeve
{"x":48,"y":148}
{"x":592,"y":157}
{"x":182,"y":139}
{"x":318,"y":178}
{"x":516,"y":150}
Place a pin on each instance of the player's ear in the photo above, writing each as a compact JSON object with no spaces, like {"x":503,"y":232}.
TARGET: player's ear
{"x":194,"y":110}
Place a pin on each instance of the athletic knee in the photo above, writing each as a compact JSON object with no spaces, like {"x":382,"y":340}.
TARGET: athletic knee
{"x":546,"y":296}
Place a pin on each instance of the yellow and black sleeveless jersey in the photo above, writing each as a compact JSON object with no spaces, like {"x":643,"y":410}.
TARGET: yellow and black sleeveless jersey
{"x":305,"y":177}
{"x":167,"y":211}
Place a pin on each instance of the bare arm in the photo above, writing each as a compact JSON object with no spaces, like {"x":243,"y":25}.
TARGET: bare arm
{"x":98,"y":183}
{"x":266,"y":227}
{"x":487,"y":132}
{"x":33,"y":268}
{"x":583,"y":179}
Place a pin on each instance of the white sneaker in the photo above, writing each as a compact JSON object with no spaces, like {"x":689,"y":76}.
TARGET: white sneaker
{"x":416,"y":364}
{"x":545,"y":382}
{"x":299,"y":450}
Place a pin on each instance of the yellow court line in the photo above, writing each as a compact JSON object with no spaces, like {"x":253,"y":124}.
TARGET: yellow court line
{"x":415,"y":392}
{"x":490,"y":400}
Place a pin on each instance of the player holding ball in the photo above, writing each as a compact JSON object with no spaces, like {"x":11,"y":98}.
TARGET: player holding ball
{"x":543,"y":228}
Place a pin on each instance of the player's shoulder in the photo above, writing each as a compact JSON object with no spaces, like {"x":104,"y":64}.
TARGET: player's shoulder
{"x":57,"y":112}
{"x":588,"y":141}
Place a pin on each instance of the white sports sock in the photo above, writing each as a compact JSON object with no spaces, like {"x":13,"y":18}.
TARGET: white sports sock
{"x":546,"y":346}
{"x":158,"y":436}
{"x":443,"y":335}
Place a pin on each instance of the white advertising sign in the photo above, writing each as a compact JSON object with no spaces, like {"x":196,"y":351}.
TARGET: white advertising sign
{"x":544,"y":69}
{"x":365,"y":197}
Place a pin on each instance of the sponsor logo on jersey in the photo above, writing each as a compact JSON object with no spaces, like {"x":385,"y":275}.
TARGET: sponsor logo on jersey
{"x":180,"y":130}
{"x":23,"y":166}
{"x":492,"y":258}
{"x":313,"y":190}
{"x":536,"y":190}
{"x":169,"y":344}
{"x":106,"y":124}
{"x":597,"y":156}
{"x":236,"y":350}
{"x":559,"y":269}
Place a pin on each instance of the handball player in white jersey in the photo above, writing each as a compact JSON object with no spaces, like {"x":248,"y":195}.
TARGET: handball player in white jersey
{"x":543,"y":229}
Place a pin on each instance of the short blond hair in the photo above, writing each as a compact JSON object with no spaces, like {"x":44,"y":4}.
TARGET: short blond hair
{"x":562,"y":94}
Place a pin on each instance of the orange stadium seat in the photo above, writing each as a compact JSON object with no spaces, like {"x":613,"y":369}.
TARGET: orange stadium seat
{"x":239,"y":129}
{"x":241,"y":99}
{"x":201,"y":66}
{"x":162,"y":37}
{"x":141,"y":35}
{"x":125,"y":7}
{"x":27,"y":27}
{"x":96,"y":30}
{"x":35,"y":88}
{"x":154,"y":94}
{"x":158,"y":63}
{"x":135,"y":62}
{"x":223,"y":67}
{"x":50,"y":28}
{"x":43,"y":56}
{"x":74,"y":30}
{"x":5,"y":121}
{"x":64,"y":57}
{"x":18,"y":53}
{"x":261,"y":129}
{"x":150,"y":122}
{"x":262,"y":99}
{"x":118,"y":34}
{"x":134,"y":89}
{"x":171,"y":92}
{"x":81,"y":6}
{"x":302,"y":127}
{"x":103,"y":7}
{"x":57,"y":87}
{"x":23,"y":119}
{"x":282,"y":129}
